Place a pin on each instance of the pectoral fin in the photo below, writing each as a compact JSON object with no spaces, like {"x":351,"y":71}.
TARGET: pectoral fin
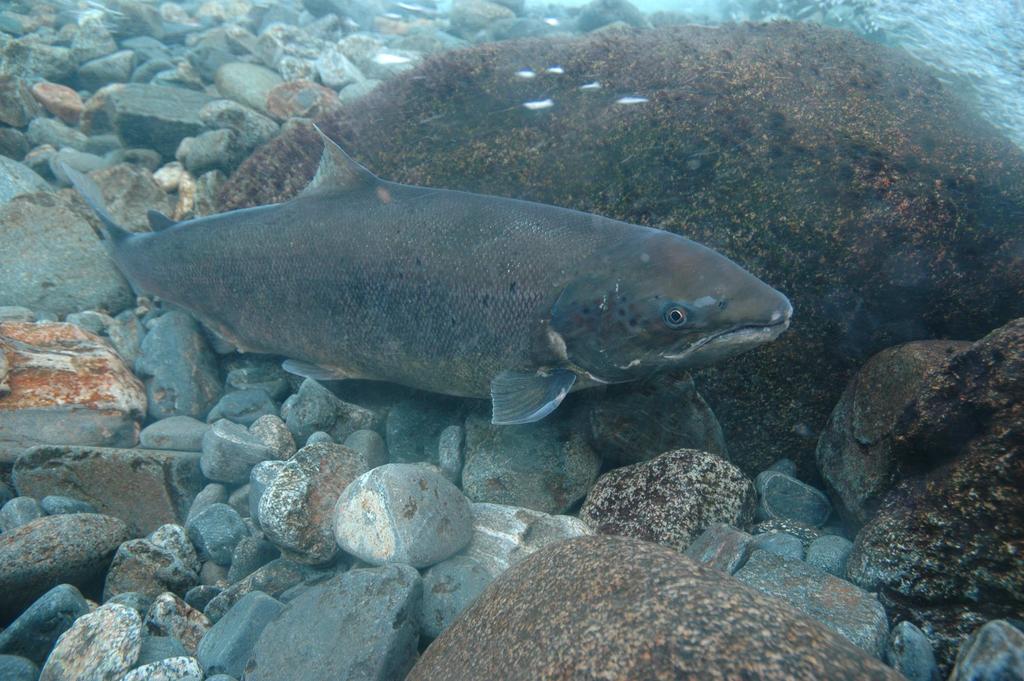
{"x":524,"y":397}
{"x":314,"y":371}
{"x":158,"y":221}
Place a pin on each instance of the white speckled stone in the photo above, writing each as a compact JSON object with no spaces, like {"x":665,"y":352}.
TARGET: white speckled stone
{"x":100,"y":646}
{"x":170,"y":669}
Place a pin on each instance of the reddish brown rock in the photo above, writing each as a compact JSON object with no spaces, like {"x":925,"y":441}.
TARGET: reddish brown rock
{"x":60,"y":100}
{"x":301,"y":98}
{"x":944,"y":551}
{"x":17,"y":105}
{"x":60,"y":384}
{"x":622,"y":609}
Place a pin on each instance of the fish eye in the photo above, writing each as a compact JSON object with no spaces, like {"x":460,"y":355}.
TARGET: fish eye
{"x":674,"y":316}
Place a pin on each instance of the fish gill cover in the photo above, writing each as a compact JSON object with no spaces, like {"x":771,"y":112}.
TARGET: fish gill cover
{"x":843,"y":173}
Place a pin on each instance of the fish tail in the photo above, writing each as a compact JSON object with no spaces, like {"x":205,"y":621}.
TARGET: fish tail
{"x":111,"y":232}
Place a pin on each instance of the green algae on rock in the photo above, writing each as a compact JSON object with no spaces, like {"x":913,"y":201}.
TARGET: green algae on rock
{"x":837,"y":170}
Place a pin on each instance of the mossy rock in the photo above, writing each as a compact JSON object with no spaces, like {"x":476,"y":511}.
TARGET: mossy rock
{"x":839,"y":171}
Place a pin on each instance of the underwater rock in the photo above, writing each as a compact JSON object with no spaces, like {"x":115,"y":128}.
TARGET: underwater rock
{"x":211,"y":150}
{"x":243,"y":407}
{"x":782,"y":496}
{"x":64,"y":385}
{"x":102,"y":645}
{"x":750,"y":135}
{"x":273,"y":579}
{"x":146,"y":488}
{"x":156,"y":648}
{"x":17,"y":178}
{"x":181,"y":372}
{"x":600,"y":13}
{"x":314,"y":408}
{"x":149,"y":116}
{"x":448,"y":588}
{"x":59,"y":100}
{"x":227,"y":646}
{"x":782,"y":544}
{"x":469,"y":16}
{"x":995,"y":651}
{"x":855,"y":453}
{"x":142,"y":567}
{"x":370,"y":447}
{"x":721,"y":547}
{"x":168,"y":669}
{"x":599,"y":604}
{"x":401,"y":513}
{"x":830,"y":553}
{"x":413,"y":427}
{"x":373,"y":617}
{"x":450,"y":452}
{"x":113,"y":68}
{"x":839,"y":605}
{"x":250,"y":554}
{"x":273,"y":432}
{"x":670,"y":499}
{"x":171,"y":616}
{"x":215,"y":531}
{"x":35,"y":631}
{"x":965,"y":430}
{"x":19,"y":511}
{"x":52,"y":260}
{"x":252,"y":127}
{"x":505,"y":535}
{"x":546,"y":466}
{"x":50,"y":131}
{"x":29,"y":57}
{"x":17,"y":105}
{"x":297,"y":507}
{"x":56,"y":504}
{"x":181,"y":433}
{"x":247,"y":84}
{"x":910,"y":653}
{"x":633,"y":423}
{"x":301,"y":98}
{"x":14,"y":668}
{"x":230,"y":451}
{"x":58,"y":549}
{"x":129,"y":192}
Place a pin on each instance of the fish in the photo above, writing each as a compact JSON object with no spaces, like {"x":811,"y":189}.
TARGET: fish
{"x":447,"y":291}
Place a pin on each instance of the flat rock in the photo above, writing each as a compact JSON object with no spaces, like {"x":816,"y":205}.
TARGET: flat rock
{"x":247,"y":84}
{"x":839,"y":605}
{"x":36,"y":630}
{"x":402,"y":513}
{"x":65,"y":386}
{"x":153,"y":116}
{"x":505,"y":535}
{"x":373,"y":617}
{"x":670,"y":499}
{"x":227,"y":646}
{"x":60,"y":549}
{"x":608,"y":607}
{"x":53,"y":260}
{"x":100,"y":646}
{"x":181,"y":370}
{"x":297,"y":508}
{"x":721,"y":547}
{"x":145,"y":488}
{"x":181,"y":433}
{"x":547,"y":466}
{"x":17,"y":178}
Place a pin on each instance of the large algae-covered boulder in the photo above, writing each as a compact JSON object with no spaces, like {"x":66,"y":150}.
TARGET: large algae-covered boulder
{"x":615,"y":608}
{"x":840,"y":171}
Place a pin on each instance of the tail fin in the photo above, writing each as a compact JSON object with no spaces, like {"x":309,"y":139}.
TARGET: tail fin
{"x":91,"y":193}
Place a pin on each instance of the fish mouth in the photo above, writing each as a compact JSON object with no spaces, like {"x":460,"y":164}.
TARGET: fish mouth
{"x":739,"y":337}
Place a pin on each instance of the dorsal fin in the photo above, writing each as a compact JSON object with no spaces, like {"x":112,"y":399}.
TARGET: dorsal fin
{"x":158,"y":221}
{"x":338,"y":172}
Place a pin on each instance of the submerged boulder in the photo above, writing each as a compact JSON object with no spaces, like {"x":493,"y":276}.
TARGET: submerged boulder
{"x":943,"y":552}
{"x":840,"y":171}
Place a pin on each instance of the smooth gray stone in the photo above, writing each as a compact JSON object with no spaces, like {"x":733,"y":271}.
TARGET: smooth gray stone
{"x":19,"y":511}
{"x":370,"y":446}
{"x":839,"y":605}
{"x":15,"y":313}
{"x":449,"y":588}
{"x":242,"y":406}
{"x":786,"y":466}
{"x":182,"y":374}
{"x":314,"y":408}
{"x":133,"y":599}
{"x":14,"y":668}
{"x":262,"y":474}
{"x":211,"y":150}
{"x":910,"y":653}
{"x":319,"y":436}
{"x":55,"y":504}
{"x":156,"y":648}
{"x":783,"y":496}
{"x":155,"y":117}
{"x":830,"y":553}
{"x":450,"y":450}
{"x":995,"y":652}
{"x":200,"y":596}
{"x":230,"y":451}
{"x":373,"y":617}
{"x":180,"y":433}
{"x":781,"y":544}
{"x":722,"y":547}
{"x":55,"y":133}
{"x":413,"y":428}
{"x":17,"y":178}
{"x":251,"y":553}
{"x":215,"y":531}
{"x":113,"y":68}
{"x":36,"y":630}
{"x":227,"y":646}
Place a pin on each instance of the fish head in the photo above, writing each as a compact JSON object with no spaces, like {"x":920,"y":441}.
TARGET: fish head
{"x":658,"y":300}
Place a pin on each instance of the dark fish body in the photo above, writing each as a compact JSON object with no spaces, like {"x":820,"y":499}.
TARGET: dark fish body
{"x":447,"y":291}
